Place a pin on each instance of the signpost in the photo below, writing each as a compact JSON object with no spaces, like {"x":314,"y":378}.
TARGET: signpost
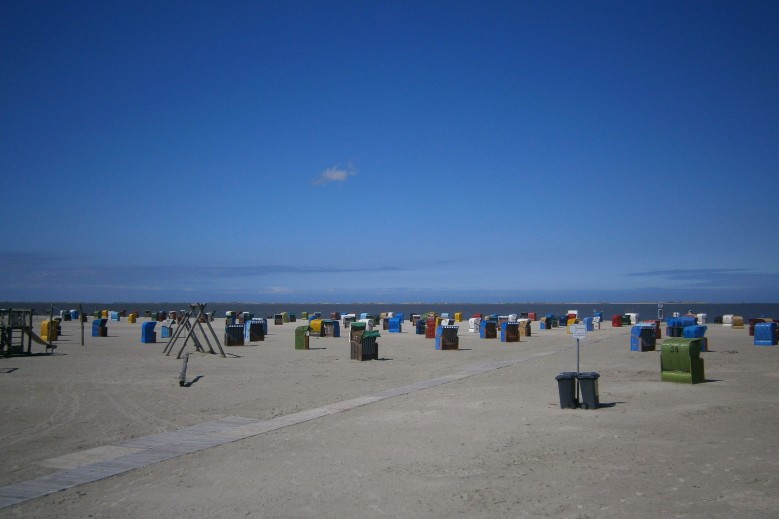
{"x":81,"y":318}
{"x":579,"y":331}
{"x":659,"y":311}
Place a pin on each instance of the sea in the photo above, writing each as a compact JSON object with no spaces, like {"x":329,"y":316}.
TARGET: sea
{"x":646,"y":310}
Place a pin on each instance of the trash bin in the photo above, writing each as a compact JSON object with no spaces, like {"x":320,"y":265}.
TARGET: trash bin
{"x":588,"y":383}
{"x":566,"y":386}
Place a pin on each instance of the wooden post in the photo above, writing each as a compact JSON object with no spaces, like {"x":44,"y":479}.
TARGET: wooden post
{"x":192,"y":332}
{"x":202,"y":311}
{"x":175,"y":336}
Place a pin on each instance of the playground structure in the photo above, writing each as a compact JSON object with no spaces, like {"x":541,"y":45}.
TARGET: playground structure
{"x":196,"y":310}
{"x":17,"y":333}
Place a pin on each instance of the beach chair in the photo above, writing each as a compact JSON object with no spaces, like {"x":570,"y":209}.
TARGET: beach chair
{"x":488,"y":329}
{"x":509,"y":332}
{"x":680,"y":361}
{"x":642,"y":338}
{"x":99,"y":328}
{"x":765,"y":334}
{"x":254,"y":330}
{"x":394,"y":325}
{"x":301,"y":338}
{"x":446,"y":337}
{"x":234,"y":334}
{"x":363,"y":345}
{"x":148,"y":335}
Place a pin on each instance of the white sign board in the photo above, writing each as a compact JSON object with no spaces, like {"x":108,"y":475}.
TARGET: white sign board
{"x":579,"y":331}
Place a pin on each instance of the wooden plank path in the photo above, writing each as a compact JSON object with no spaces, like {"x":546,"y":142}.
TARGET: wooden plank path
{"x":103,"y":462}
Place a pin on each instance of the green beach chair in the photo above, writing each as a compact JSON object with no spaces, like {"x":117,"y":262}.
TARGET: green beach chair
{"x":680,"y":361}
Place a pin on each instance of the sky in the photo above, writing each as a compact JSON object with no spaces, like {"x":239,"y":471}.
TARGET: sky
{"x":389,"y":151}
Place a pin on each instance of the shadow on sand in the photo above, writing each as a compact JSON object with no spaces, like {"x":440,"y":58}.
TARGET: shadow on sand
{"x":189,"y":384}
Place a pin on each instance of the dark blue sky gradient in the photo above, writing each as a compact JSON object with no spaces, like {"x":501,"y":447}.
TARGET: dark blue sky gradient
{"x":290,"y":149}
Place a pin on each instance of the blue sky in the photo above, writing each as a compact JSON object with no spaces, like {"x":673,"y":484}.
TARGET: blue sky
{"x":357,"y":151}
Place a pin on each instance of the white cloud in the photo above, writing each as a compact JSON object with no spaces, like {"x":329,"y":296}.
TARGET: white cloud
{"x":334,"y":174}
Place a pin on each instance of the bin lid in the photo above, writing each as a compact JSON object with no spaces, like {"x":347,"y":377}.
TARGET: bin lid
{"x":566,"y":375}
{"x":589,"y":375}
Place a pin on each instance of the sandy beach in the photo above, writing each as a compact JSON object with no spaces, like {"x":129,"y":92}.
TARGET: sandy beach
{"x":476,"y":432}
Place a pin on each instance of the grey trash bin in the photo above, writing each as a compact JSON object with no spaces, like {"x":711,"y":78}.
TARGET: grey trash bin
{"x":566,"y":385}
{"x":588,"y":383}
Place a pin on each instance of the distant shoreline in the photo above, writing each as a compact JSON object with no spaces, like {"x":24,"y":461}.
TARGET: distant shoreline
{"x":7,"y":304}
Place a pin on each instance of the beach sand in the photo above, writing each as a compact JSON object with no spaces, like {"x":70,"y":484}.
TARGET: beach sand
{"x":304,"y":434}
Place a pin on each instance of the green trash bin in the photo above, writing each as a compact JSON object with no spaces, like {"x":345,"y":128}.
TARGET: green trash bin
{"x":301,"y":338}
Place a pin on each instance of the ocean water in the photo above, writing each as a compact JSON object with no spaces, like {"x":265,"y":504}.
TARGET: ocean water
{"x":645,"y":310}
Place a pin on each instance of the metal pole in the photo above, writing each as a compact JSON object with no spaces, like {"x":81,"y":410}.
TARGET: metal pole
{"x":577,"y":370}
{"x":52,"y":327}
{"x":81,"y":318}
{"x":183,"y":374}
